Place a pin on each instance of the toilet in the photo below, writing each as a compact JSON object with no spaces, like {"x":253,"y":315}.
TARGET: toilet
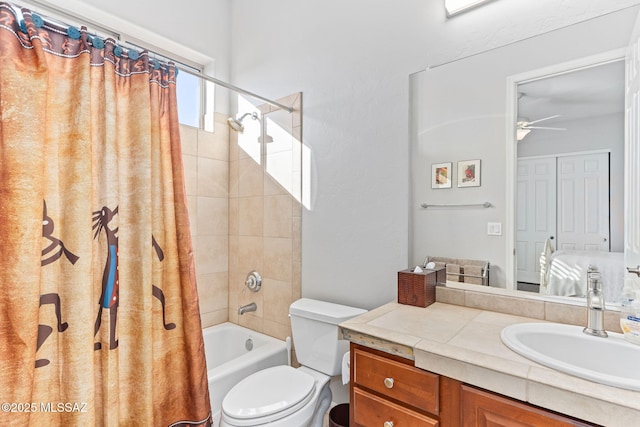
{"x":283,"y":396}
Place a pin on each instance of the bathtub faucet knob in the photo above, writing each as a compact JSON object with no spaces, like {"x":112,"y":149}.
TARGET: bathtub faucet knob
{"x":253,"y":281}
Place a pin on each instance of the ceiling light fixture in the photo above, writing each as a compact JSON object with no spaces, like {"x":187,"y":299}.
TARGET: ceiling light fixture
{"x":454,"y":7}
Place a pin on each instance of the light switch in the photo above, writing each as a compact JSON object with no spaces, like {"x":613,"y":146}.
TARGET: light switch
{"x":494,"y":228}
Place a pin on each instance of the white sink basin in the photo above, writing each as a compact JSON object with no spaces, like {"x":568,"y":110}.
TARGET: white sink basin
{"x":611,"y":361}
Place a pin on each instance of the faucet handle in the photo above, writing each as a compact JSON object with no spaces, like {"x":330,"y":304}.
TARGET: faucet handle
{"x":634,"y":270}
{"x":253,"y":281}
{"x":594,"y":282}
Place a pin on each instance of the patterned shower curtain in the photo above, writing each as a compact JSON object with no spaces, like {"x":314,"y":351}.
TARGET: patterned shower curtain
{"x":99,"y":320}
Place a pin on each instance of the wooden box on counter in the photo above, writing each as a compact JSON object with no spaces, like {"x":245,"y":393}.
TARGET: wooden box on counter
{"x":419,"y":289}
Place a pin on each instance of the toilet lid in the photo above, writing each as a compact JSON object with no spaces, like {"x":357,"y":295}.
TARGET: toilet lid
{"x":267,"y":392}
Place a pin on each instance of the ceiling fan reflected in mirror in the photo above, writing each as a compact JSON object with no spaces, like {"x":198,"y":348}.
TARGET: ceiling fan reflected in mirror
{"x":524,"y":127}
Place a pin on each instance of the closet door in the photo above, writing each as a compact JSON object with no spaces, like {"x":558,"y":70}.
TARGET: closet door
{"x":583,"y":202}
{"x":535,"y":214}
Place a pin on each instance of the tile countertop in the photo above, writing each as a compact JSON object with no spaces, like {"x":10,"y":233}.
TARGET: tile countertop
{"x":464,"y":343}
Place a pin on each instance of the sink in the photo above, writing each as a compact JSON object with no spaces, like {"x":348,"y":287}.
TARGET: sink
{"x":611,"y":361}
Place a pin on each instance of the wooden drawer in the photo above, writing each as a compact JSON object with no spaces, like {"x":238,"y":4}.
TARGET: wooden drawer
{"x":373,"y":411}
{"x":396,"y":380}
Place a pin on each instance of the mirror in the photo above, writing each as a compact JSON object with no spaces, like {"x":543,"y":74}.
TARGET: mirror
{"x":465,"y":110}
{"x":568,"y":193}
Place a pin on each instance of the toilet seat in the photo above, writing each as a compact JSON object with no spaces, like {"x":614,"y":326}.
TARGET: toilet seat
{"x":268,"y":395}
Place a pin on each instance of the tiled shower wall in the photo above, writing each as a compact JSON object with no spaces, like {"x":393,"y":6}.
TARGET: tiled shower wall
{"x":244,"y":219}
{"x":206,"y":168}
{"x":264,"y":226}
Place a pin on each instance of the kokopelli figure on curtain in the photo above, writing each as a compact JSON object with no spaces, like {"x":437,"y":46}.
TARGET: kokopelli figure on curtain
{"x":156,"y":291}
{"x":45,"y":330}
{"x":109,"y":296}
{"x":51,"y":253}
{"x":56,"y":248}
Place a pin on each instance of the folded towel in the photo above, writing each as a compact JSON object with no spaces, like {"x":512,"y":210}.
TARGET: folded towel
{"x":444,"y":260}
{"x":448,"y":260}
{"x":439,"y":265}
{"x":473,"y":271}
{"x":472,"y":262}
{"x":453,"y":271}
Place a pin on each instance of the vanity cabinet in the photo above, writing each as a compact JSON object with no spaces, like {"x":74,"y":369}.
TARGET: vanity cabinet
{"x":389,"y":391}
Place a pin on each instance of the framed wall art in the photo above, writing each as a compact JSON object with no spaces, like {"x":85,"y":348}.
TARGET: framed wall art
{"x":441,"y":175}
{"x":469,"y":173}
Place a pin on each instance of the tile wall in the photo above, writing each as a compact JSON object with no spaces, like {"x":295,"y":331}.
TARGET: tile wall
{"x":265,"y":214}
{"x":206,"y":168}
{"x":245,"y":215}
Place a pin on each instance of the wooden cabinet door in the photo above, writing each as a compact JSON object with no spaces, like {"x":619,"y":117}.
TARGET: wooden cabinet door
{"x":484,"y":409}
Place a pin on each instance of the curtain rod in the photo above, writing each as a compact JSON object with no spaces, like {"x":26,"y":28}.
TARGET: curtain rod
{"x":178,"y":63}
{"x":231,"y":87}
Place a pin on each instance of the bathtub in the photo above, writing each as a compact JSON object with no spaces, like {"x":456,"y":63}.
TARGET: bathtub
{"x":233,"y":353}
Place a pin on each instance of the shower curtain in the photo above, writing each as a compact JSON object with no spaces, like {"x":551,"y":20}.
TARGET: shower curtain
{"x":99,"y":319}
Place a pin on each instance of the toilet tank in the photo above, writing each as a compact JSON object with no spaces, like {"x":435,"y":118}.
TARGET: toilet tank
{"x":314,"y":326}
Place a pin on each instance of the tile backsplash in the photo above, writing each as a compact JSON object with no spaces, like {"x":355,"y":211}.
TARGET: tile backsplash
{"x":520,"y":306}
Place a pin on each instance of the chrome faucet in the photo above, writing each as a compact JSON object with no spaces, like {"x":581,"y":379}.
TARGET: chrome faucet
{"x":595,"y":304}
{"x":247,"y":308}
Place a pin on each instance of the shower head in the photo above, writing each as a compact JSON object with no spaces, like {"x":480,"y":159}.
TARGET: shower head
{"x":236,"y":124}
{"x":267,"y":138}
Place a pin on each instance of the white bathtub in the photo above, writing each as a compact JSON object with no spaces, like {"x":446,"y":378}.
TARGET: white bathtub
{"x":229,"y":361}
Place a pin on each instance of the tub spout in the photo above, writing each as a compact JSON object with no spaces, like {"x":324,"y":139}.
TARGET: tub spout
{"x":247,"y":308}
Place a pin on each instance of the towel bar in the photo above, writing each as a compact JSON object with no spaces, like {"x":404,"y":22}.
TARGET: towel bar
{"x":448,"y":205}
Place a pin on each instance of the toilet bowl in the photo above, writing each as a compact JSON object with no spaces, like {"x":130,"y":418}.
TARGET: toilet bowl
{"x":283,"y":396}
{"x":280,"y":396}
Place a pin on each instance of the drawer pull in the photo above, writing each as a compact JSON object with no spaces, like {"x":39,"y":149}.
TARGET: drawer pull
{"x":388,"y":424}
{"x":388,"y":383}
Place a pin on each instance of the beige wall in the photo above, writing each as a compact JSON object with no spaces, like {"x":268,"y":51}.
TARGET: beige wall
{"x":246,"y":216}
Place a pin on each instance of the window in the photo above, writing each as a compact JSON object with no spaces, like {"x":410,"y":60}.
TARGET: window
{"x":189,"y":91}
